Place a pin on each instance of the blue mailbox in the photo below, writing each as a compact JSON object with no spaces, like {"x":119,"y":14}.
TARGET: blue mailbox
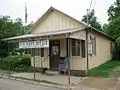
{"x":63,"y":64}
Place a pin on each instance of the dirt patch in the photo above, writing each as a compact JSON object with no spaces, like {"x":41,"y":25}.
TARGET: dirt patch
{"x":101,"y":83}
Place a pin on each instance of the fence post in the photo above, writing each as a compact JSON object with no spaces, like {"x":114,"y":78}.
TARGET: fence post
{"x":9,"y":68}
{"x":34,"y":61}
{"x":0,"y":65}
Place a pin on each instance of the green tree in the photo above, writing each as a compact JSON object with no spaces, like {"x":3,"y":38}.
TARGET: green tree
{"x":118,"y":44}
{"x":114,"y":11}
{"x":113,"y":27}
{"x":92,"y":20}
{"x":10,"y":28}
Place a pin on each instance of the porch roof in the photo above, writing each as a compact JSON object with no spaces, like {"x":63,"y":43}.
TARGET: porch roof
{"x":55,"y":32}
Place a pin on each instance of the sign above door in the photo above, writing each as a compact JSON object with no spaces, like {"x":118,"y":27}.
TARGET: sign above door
{"x":34,"y":44}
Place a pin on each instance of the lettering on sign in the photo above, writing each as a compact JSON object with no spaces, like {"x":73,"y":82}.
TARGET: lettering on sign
{"x":34,"y":44}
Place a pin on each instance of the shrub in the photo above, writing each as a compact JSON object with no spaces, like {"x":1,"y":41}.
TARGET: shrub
{"x":118,"y":44}
{"x":16,"y":63}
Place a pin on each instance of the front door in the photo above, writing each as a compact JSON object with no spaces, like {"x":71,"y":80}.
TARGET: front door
{"x":54,"y":51}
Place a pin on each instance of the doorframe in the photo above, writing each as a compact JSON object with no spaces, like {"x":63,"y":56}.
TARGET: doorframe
{"x":50,"y":53}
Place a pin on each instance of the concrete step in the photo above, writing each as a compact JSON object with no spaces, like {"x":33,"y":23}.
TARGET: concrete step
{"x":51,"y":72}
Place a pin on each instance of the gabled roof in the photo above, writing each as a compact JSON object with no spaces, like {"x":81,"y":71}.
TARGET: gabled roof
{"x":46,"y":13}
{"x":53,"y":9}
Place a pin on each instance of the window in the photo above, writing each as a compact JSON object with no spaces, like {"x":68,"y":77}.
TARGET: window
{"x":83,"y":48}
{"x":111,"y":47}
{"x":37,"y":51}
{"x":93,"y":42}
{"x":76,"y":47}
{"x":42,"y":52}
{"x":55,"y":50}
{"x":32,"y":52}
{"x":91,"y":38}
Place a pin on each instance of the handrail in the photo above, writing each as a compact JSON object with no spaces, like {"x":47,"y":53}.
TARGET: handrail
{"x":44,"y":59}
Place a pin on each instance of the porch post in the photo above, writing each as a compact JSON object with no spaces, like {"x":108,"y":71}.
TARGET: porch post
{"x":87,"y":31}
{"x":68,"y":55}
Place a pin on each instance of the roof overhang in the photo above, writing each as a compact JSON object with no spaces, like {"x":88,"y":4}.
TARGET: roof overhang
{"x":44,"y":34}
{"x":99,"y":32}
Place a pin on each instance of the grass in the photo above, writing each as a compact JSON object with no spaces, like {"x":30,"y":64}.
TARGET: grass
{"x":105,"y":69}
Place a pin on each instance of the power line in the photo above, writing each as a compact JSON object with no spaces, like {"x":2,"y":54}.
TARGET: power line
{"x":89,"y":9}
{"x":94,"y":4}
{"x":90,"y":4}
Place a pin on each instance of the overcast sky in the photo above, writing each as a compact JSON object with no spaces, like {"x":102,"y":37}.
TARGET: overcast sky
{"x":75,"y":8}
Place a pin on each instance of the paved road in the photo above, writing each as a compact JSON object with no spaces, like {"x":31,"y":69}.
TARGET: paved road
{"x":7,"y":84}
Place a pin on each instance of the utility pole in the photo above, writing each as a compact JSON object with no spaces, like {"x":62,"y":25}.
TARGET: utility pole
{"x":87,"y":31}
{"x":87,"y":42}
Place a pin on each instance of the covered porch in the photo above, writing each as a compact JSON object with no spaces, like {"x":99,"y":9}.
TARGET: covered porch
{"x":48,"y":48}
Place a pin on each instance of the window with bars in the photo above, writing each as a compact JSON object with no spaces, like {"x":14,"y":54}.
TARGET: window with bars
{"x":76,"y":47}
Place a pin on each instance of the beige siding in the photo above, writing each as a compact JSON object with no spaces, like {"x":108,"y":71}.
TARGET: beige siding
{"x":39,"y":59}
{"x":79,"y":35}
{"x":102,"y":51}
{"x":77,"y":62}
{"x":103,"y":54}
{"x":56,"y":21}
{"x":63,"y":52}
